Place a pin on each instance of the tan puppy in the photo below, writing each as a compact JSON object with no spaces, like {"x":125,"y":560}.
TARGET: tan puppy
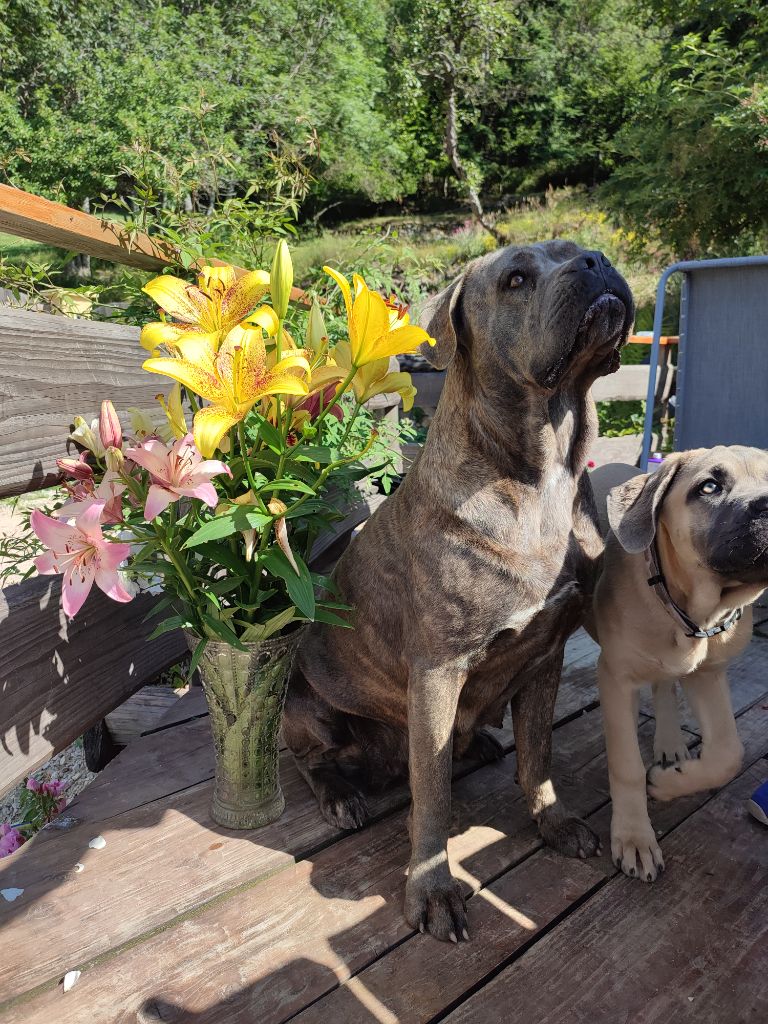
{"x":686,"y":555}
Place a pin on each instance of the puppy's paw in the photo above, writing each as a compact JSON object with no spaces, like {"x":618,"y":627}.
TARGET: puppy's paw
{"x":666,"y":781}
{"x":434,"y":903}
{"x":569,"y":835}
{"x":670,"y":750}
{"x":634,"y":848}
{"x":344,"y":806}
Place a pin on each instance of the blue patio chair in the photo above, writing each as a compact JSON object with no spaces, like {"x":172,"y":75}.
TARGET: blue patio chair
{"x":722,"y":368}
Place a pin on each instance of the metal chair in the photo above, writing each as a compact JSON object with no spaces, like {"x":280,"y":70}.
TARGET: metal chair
{"x":722,"y":370}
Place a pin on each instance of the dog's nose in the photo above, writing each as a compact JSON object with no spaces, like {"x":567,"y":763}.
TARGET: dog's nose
{"x":759,"y":507}
{"x":596,"y":260}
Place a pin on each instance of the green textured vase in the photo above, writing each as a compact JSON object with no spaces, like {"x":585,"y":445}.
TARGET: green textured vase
{"x":245,"y":691}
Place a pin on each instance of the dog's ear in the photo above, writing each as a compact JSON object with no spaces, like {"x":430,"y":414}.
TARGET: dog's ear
{"x":439,"y":319}
{"x":633,"y":507}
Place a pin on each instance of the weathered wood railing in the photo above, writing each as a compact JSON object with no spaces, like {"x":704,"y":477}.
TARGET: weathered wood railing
{"x":58,"y":677}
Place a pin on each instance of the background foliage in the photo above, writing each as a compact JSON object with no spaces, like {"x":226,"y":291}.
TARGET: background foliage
{"x":324,"y":109}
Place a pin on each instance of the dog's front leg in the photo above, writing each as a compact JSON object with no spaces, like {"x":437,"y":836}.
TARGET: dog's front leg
{"x":632,"y":835}
{"x":433,"y":899}
{"x":533,"y":708}
{"x":721,"y":749}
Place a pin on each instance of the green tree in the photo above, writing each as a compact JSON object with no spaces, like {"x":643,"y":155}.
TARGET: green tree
{"x":693,"y":162}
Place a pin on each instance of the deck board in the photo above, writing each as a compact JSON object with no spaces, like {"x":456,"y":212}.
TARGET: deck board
{"x":177,"y":920}
{"x":691,"y":948}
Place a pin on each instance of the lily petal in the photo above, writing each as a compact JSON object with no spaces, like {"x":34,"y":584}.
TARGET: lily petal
{"x":181,"y":300}
{"x":157,"y":334}
{"x":211,"y":424}
{"x":343,"y":283}
{"x":243,"y":296}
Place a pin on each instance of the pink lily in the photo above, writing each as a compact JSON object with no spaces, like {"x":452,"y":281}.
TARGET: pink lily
{"x":107,"y":494}
{"x":109,"y":426}
{"x":80,"y":552}
{"x":178,"y":471}
{"x":10,"y":839}
{"x":76,"y":468}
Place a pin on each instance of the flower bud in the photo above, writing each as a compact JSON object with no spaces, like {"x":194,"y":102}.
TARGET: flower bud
{"x":317,"y":335}
{"x":85,"y":435}
{"x":77,"y":468}
{"x":114,"y":459}
{"x":109,"y":426}
{"x":281,"y":279}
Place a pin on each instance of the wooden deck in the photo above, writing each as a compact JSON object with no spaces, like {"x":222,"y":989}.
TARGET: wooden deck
{"x":177,"y":920}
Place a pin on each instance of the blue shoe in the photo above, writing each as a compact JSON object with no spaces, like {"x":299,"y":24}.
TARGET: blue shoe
{"x":758,"y":804}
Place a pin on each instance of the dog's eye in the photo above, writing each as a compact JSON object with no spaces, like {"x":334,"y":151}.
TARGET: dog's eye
{"x":516,"y":280}
{"x":709,"y":487}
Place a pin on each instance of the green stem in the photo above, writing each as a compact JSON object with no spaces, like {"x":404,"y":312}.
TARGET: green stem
{"x":178,"y":564}
{"x":340,"y":390}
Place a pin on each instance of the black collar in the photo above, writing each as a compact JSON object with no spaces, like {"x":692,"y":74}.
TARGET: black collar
{"x":656,"y":580}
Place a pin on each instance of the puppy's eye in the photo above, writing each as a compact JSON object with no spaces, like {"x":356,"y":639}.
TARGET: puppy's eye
{"x":709,"y":487}
{"x":516,"y":280}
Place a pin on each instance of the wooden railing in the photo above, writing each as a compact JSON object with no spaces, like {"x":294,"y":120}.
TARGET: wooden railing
{"x":59,"y":677}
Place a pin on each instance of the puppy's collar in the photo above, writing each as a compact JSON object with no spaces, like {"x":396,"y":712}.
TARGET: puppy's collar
{"x":659,"y":584}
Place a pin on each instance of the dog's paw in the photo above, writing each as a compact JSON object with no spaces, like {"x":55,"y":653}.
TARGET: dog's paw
{"x":485,"y":748}
{"x":670,"y":751}
{"x":665,"y":781}
{"x":635,"y":850}
{"x":344,"y":806}
{"x":434,"y":903}
{"x":570,"y":836}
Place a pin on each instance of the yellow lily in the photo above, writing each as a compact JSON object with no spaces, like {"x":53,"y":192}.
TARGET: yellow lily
{"x":233,"y":377}
{"x":373,"y":334}
{"x":174,"y":412}
{"x":374,"y":378}
{"x":217,"y":303}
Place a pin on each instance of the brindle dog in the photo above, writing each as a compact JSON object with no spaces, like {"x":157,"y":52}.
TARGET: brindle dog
{"x":468,"y":581}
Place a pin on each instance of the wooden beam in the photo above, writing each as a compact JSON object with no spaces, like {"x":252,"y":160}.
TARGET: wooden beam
{"x":60,"y":676}
{"x":54,"y":368}
{"x":25,"y":215}
{"x":28,"y":216}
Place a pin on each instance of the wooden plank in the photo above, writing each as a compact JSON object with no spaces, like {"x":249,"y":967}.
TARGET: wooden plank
{"x":53,"y":369}
{"x":693,"y":947}
{"x":428,"y":979}
{"x":266,"y":951}
{"x":59,"y":676}
{"x":141,"y":713}
{"x":41,"y":220}
{"x":647,"y":339}
{"x":495,"y":831}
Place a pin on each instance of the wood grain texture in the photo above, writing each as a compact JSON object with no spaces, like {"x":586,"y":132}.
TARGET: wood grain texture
{"x":59,"y":676}
{"x":53,"y":369}
{"x":29,"y":216}
{"x":268,"y":936}
{"x":693,"y":947}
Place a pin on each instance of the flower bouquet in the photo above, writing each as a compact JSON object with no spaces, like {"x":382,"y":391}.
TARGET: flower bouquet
{"x":219,"y":505}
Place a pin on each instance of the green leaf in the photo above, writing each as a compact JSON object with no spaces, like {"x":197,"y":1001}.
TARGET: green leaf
{"x":222,"y":631}
{"x":316,"y":453}
{"x":332,"y":619}
{"x":225,"y":585}
{"x":270,"y":435}
{"x":174,"y":622}
{"x":311,"y":507}
{"x":161,"y":605}
{"x":220,"y":554}
{"x":236,"y":520}
{"x":215,"y":529}
{"x":300,"y":588}
{"x":196,"y":656}
{"x":287,"y":485}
